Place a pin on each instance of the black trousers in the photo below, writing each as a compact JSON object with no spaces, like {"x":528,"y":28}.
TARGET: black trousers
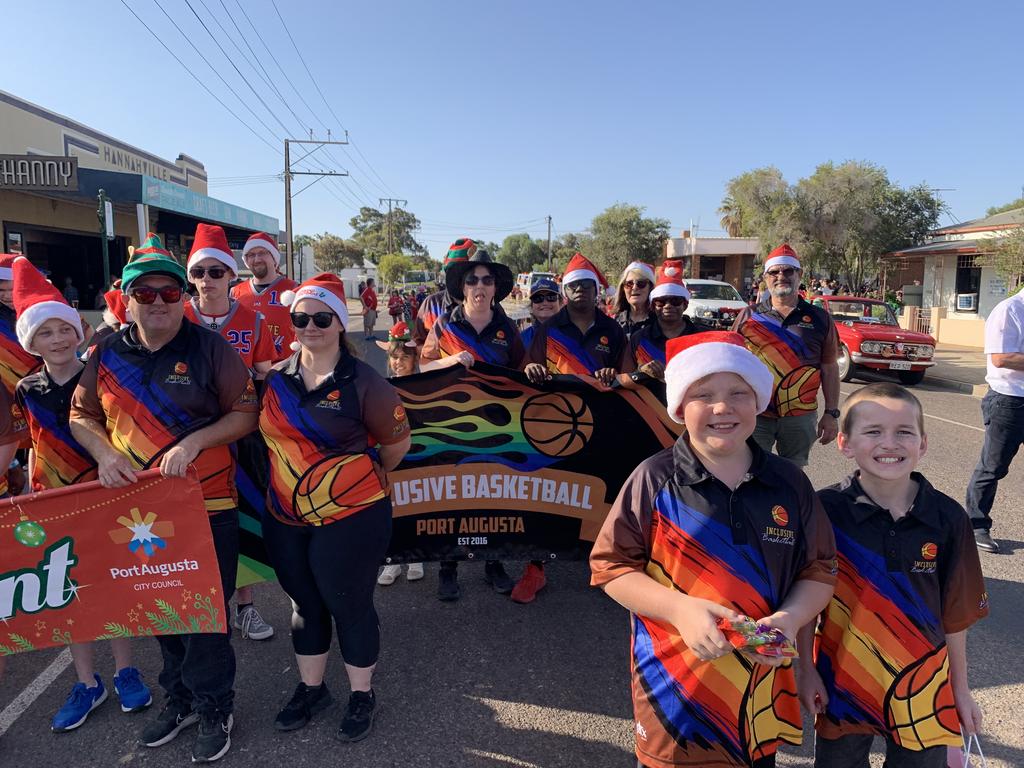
{"x":1003,"y":416}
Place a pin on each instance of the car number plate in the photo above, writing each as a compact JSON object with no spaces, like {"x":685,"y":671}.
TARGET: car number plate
{"x":899,"y":366}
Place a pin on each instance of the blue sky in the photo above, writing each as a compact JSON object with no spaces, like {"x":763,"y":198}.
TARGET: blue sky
{"x":489,"y":116}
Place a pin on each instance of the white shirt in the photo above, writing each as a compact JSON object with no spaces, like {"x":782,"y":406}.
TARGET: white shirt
{"x":1004,"y":333}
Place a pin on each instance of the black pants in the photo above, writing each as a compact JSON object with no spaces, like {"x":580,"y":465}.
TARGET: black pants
{"x":200,"y":669}
{"x":851,"y":751}
{"x":330,"y":571}
{"x":1004,"y":431}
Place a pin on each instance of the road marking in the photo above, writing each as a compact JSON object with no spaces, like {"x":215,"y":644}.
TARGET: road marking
{"x":34,"y":690}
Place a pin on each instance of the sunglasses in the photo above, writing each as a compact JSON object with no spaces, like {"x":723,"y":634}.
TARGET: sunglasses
{"x":143,"y":294}
{"x":785,"y":272}
{"x":581,"y":285}
{"x":639,"y":284}
{"x":215,"y":273}
{"x":320,"y":319}
{"x":675,"y":301}
{"x":540,"y":298}
{"x":487,"y":280}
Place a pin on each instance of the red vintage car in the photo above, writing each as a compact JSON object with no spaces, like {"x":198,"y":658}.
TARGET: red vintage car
{"x":870,"y":337}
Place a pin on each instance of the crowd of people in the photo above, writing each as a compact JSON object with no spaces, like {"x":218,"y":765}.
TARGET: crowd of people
{"x":263,"y":378}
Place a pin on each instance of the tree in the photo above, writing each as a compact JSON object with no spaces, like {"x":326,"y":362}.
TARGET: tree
{"x":1018,"y":203}
{"x":620,"y":234}
{"x":519,"y":253}
{"x":333,"y":254}
{"x":370,"y":231}
{"x":393,"y":266}
{"x":760,"y":203}
{"x":1006,"y":255}
{"x":300,"y":241}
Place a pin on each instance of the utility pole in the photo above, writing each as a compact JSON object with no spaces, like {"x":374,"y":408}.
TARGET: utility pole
{"x":391,"y":201}
{"x":288,"y":173}
{"x":549,"y":243}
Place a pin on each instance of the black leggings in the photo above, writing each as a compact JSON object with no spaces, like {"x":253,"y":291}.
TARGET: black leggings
{"x":331,"y":571}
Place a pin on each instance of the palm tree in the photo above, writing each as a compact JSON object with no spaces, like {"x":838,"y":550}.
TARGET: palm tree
{"x":732,"y":216}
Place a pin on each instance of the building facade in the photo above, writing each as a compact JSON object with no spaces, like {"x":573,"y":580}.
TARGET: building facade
{"x":730,"y":259}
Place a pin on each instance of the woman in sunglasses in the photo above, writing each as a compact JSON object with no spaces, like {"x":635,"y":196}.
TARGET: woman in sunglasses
{"x":334,"y":427}
{"x":545,"y":301}
{"x":632,"y":307}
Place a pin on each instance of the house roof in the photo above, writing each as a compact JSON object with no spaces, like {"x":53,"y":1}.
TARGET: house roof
{"x":942,"y":247}
{"x":1013,"y":218}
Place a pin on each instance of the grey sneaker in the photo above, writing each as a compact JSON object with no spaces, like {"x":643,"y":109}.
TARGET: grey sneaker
{"x":252,"y":625}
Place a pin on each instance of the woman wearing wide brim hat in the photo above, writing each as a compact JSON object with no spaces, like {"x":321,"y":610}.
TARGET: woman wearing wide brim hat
{"x":455,"y":274}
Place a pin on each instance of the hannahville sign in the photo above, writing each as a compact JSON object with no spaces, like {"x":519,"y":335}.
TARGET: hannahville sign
{"x":39,"y":173}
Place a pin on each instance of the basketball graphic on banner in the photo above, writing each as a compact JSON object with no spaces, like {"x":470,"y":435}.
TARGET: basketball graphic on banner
{"x":557,"y":424}
{"x":334,"y":487}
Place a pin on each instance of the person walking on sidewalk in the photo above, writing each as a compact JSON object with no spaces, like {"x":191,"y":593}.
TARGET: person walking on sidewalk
{"x":369,"y":299}
{"x":1002,"y":411}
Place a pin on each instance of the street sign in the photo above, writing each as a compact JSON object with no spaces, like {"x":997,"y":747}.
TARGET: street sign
{"x":108,"y":218}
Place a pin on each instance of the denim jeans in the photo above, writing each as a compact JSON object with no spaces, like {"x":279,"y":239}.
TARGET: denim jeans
{"x":852,"y":752}
{"x":1003,"y":416}
{"x":200,"y":669}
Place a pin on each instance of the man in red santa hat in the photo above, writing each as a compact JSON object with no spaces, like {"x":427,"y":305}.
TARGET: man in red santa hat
{"x":262,"y":292}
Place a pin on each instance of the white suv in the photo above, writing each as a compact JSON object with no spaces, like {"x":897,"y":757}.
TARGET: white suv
{"x":713,"y":302}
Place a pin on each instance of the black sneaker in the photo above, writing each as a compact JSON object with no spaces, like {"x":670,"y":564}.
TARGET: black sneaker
{"x":494,"y":574}
{"x":213,"y":739}
{"x":358,"y":720}
{"x":304,"y":703}
{"x":985,"y":541}
{"x":448,"y":588}
{"x":173,"y":718}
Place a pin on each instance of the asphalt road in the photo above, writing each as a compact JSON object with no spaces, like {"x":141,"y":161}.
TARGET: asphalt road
{"x":486,"y":683}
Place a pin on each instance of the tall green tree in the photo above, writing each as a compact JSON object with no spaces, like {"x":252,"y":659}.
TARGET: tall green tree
{"x":333,"y":254}
{"x":621,"y":234}
{"x":1006,"y":254}
{"x":519,"y":253}
{"x":392,"y":267}
{"x":370,"y":231}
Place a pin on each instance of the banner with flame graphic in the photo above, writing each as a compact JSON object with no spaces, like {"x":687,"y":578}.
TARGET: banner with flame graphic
{"x":500,"y":467}
{"x":86,"y":563}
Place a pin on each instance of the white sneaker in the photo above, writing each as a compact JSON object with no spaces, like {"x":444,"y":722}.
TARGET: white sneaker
{"x":388,"y":574}
{"x":415,"y":572}
{"x":252,"y":624}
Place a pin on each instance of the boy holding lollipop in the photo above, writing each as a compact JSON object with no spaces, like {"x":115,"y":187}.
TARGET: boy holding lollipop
{"x":701,"y":536}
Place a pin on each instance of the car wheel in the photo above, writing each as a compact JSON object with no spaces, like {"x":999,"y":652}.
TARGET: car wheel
{"x":845,"y":363}
{"x":910,"y":378}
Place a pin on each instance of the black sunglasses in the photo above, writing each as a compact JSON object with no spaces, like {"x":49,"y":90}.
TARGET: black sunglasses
{"x":143,"y":294}
{"x":540,"y":298}
{"x":785,"y":272}
{"x":216,"y":273}
{"x":487,"y":280}
{"x":675,"y":301}
{"x":320,"y":319}
{"x":641,"y":284}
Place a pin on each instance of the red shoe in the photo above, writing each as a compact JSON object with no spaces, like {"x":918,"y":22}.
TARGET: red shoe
{"x":532,"y":582}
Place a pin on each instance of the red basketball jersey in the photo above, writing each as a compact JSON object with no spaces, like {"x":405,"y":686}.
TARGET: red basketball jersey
{"x":268,"y":303}
{"x":243,"y":329}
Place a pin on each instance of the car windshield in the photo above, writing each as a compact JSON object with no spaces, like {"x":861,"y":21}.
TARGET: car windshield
{"x":714,"y":292}
{"x":862,"y":312}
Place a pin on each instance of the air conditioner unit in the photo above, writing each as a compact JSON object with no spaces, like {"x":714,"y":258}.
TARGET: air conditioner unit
{"x":967,"y":302}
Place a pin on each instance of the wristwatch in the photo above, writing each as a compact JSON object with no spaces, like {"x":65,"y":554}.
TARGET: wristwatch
{"x":833,"y":412}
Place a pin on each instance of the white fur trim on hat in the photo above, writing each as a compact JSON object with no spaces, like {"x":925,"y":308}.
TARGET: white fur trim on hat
{"x":782,"y":261}
{"x":579,"y":274}
{"x":700,"y":360}
{"x":639,"y":266}
{"x":670,"y":289}
{"x":33,"y":317}
{"x":259,"y":242}
{"x":330,"y":298}
{"x":226,"y":259}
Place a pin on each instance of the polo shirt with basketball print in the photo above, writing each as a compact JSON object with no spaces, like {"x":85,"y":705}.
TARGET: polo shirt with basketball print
{"x":60,"y":459}
{"x":434,"y":306}
{"x":245,"y":330}
{"x":267,"y":302}
{"x":498,"y":343}
{"x":15,"y":362}
{"x":903,"y":586}
{"x":148,"y":401}
{"x":12,"y":428}
{"x":794,"y":348}
{"x":744,"y":549}
{"x":320,"y":440}
{"x":560,"y":347}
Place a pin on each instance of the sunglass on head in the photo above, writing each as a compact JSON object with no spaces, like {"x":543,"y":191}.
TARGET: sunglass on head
{"x":320,"y":319}
{"x":144,"y":294}
{"x":198,"y":273}
{"x":487,"y":280}
{"x":675,"y":301}
{"x":785,"y":272}
{"x":639,"y":284}
{"x":540,"y":298}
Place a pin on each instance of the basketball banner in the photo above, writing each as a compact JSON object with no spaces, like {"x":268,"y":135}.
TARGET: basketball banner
{"x":86,"y":563}
{"x":500,"y":467}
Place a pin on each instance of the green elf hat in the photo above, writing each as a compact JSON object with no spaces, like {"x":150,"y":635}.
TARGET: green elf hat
{"x":459,"y":251}
{"x":151,"y":258}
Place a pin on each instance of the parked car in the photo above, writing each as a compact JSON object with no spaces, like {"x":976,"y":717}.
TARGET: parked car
{"x":714,"y":303}
{"x":870,"y":337}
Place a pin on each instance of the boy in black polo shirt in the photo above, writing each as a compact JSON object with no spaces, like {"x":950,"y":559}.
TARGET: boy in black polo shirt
{"x":891,"y":655}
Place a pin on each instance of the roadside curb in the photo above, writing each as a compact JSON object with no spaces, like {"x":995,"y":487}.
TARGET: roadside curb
{"x":952,"y":385}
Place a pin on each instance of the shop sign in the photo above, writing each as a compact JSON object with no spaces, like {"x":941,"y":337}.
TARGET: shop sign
{"x":39,"y":173}
{"x":174,"y":197}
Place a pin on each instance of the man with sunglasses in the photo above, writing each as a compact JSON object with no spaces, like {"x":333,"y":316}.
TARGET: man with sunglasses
{"x":262,"y":292}
{"x":799,"y":344}
{"x":209,"y":402}
{"x":211,"y":268}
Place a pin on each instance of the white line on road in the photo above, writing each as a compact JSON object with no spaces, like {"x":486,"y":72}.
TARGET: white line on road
{"x":33,"y":690}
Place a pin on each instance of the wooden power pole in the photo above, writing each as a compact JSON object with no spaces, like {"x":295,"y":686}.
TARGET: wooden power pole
{"x":288,"y":173}
{"x":398,"y":203}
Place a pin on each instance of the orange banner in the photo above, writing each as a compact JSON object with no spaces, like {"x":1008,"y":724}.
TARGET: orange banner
{"x":87,"y":563}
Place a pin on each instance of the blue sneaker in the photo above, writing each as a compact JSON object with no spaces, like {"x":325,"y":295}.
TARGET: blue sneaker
{"x":81,"y":702}
{"x":133,"y":693}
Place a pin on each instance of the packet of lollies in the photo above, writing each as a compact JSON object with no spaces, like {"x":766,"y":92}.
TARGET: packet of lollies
{"x":749,"y":636}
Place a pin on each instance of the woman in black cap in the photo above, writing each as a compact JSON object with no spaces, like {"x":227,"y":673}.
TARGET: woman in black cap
{"x":475,"y":328}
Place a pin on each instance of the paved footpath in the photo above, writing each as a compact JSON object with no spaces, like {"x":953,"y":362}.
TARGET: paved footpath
{"x":486,"y":683}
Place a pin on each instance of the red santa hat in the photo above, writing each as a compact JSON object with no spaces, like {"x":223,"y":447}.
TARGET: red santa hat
{"x":116,"y":304}
{"x":638,"y":266}
{"x":783,"y":256}
{"x":326,"y":287}
{"x":36,"y":300}
{"x":692,"y":357}
{"x":211,"y":243}
{"x":670,"y":284}
{"x":582,"y":268}
{"x":6,"y":262}
{"x":262,"y":240}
